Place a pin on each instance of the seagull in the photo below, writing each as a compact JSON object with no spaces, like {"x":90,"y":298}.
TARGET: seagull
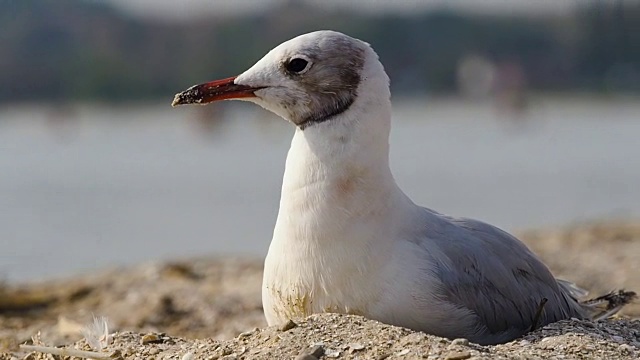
{"x":348,"y":240}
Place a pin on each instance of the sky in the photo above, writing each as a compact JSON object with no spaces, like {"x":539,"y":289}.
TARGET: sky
{"x":185,"y":9}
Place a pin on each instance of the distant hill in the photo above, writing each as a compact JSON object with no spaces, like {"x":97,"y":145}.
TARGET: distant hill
{"x":62,"y":50}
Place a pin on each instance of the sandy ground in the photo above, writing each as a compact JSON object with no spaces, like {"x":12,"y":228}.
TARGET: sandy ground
{"x":218,"y":302}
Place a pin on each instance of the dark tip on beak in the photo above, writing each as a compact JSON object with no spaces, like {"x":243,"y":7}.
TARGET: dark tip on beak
{"x":190,"y":96}
{"x":214,"y":91}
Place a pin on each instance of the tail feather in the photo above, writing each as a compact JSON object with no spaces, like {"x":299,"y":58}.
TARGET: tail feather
{"x":608,"y":305}
{"x":574,"y":290}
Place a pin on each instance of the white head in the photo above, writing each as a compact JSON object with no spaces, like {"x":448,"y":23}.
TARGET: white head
{"x":307,"y":80}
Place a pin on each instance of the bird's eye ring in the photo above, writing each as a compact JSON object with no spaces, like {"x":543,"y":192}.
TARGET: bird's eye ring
{"x":297,"y":65}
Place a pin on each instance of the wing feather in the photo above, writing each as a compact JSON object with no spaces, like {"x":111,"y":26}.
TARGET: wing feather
{"x":497,"y":278}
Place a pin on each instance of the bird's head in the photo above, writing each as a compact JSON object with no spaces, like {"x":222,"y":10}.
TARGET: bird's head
{"x":307,"y":80}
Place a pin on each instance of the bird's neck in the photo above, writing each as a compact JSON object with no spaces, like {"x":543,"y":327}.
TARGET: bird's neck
{"x":335,"y":171}
{"x":337,"y":180}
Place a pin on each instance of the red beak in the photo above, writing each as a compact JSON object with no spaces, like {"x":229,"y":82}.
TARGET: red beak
{"x":213,"y":91}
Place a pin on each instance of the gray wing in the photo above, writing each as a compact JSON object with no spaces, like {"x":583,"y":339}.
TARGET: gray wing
{"x":497,"y":278}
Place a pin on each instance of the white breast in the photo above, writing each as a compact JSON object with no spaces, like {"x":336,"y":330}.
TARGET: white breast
{"x":340,"y":222}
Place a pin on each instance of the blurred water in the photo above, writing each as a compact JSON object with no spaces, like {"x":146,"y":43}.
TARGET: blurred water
{"x":100,"y":186}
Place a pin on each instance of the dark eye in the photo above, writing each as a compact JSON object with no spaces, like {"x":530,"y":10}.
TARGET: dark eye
{"x":296,"y":65}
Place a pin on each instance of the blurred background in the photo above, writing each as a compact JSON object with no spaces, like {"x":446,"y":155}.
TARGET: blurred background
{"x":521,"y":113}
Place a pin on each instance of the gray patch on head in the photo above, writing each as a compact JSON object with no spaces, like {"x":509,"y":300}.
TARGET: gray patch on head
{"x":332,"y":81}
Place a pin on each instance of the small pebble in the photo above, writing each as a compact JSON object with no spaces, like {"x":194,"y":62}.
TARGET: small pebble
{"x":314,"y":353}
{"x":150,"y":339}
{"x":247,"y":333}
{"x":458,"y":355}
{"x":626,"y":349}
{"x":460,"y":342}
{"x":188,"y":356}
{"x":356,"y":347}
{"x":306,"y":357}
{"x":317,"y":351}
{"x":403,"y":352}
{"x":330,"y":353}
{"x":287,"y":326}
